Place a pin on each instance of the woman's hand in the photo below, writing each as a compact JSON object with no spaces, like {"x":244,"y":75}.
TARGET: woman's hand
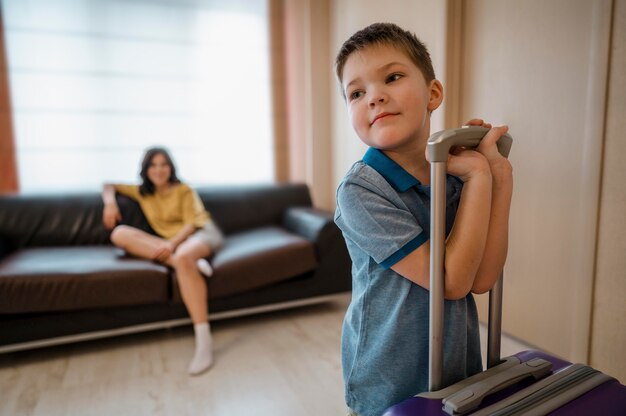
{"x":164,"y":250}
{"x":111,"y":216}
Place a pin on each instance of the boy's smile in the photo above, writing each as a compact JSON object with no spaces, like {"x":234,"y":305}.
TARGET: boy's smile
{"x":382,"y":116}
{"x":389,"y":101}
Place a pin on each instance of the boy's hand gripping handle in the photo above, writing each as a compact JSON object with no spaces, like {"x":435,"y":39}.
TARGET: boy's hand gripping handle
{"x":440,"y":143}
{"x":438,"y":148}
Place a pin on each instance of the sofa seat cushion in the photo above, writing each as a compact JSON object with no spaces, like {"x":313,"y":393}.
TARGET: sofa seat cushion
{"x":256,"y":258}
{"x":70,"y":278}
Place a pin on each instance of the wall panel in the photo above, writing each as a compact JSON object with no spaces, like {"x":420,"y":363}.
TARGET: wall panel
{"x":544,"y":74}
{"x":608,"y":334}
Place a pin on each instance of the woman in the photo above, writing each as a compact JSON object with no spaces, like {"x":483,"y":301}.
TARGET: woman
{"x":186,"y":236}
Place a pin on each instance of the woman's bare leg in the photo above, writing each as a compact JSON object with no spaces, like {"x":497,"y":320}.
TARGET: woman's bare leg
{"x":192,"y":284}
{"x":193,"y":289}
{"x":137,"y":242}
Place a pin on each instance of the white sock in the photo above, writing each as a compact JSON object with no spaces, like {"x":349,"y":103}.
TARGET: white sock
{"x":203,"y":357}
{"x":204,"y":267}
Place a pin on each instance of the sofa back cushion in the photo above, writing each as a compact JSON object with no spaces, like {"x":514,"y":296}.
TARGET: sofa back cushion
{"x":236,"y":208}
{"x":52,"y":220}
{"x":60,"y":220}
{"x":76,"y":219}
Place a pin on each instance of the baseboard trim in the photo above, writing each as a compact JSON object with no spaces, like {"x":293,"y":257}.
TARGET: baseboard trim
{"x":87,"y":336}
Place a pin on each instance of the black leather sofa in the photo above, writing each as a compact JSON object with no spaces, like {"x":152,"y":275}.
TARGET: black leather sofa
{"x":62,"y":281}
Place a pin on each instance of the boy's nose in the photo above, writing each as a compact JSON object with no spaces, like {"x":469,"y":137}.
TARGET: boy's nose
{"x":377,"y":99}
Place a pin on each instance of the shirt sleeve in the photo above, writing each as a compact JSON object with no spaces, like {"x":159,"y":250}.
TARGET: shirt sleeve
{"x":131,"y":191}
{"x":193,"y":209}
{"x":381,"y":226}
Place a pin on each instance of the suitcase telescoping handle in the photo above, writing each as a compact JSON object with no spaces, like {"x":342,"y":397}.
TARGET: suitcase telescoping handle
{"x":438,"y":148}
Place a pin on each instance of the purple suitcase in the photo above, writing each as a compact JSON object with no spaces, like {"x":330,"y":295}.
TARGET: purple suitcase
{"x":528,"y":383}
{"x":607,"y":399}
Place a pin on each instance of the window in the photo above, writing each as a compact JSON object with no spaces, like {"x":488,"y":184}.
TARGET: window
{"x":93,"y":83}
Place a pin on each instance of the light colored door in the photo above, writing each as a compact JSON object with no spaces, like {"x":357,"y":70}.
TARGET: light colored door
{"x":541,"y":67}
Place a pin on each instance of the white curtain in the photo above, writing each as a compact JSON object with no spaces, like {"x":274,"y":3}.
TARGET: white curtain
{"x":93,"y":83}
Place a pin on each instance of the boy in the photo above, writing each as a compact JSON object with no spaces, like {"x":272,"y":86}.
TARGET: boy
{"x":388,"y":82}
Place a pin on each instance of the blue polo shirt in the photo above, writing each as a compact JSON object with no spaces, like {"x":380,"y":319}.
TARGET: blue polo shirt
{"x":384,"y":214}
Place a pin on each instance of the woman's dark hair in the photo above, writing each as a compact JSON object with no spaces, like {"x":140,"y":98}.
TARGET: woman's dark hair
{"x":147,"y":187}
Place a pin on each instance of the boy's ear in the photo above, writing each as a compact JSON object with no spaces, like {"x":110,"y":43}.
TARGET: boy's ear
{"x":435,"y":95}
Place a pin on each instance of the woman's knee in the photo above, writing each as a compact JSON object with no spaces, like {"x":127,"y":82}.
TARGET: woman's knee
{"x":184,"y":259}
{"x":120,"y":234}
{"x":188,"y":253}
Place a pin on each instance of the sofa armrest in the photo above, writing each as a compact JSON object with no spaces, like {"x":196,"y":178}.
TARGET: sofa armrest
{"x":306,"y":222}
{"x":315,"y":225}
{"x":333,"y":272}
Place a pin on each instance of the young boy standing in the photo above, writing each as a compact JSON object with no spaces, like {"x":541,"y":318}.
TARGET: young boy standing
{"x":383,"y":210}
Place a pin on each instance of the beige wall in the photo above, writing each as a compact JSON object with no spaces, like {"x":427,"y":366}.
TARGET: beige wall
{"x":544,"y":74}
{"x":547,"y":81}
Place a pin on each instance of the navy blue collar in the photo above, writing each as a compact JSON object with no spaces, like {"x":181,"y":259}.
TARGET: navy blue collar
{"x":398,"y":178}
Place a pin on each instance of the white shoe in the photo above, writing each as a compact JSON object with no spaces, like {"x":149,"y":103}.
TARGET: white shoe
{"x":205,"y":267}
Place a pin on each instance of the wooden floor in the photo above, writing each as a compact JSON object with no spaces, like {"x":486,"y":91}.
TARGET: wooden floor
{"x":279,"y":363}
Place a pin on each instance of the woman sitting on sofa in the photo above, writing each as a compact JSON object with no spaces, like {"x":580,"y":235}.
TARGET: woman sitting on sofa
{"x":185,"y":237}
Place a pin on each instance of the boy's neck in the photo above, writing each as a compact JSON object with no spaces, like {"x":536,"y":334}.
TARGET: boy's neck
{"x":413,"y":162}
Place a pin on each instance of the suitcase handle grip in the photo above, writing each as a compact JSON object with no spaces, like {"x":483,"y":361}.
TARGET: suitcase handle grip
{"x":438,"y":148}
{"x":440,"y":143}
{"x":470,"y":397}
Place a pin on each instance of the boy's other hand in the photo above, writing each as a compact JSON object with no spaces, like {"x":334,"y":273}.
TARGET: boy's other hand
{"x":498,"y":164}
{"x":488,"y":146}
{"x":478,"y":122}
{"x":467,"y":164}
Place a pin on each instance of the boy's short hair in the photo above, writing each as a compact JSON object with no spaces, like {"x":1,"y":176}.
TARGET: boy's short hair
{"x":387,"y":34}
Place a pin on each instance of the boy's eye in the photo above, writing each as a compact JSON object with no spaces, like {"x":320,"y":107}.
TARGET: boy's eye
{"x":356,"y":94}
{"x":394,"y":77}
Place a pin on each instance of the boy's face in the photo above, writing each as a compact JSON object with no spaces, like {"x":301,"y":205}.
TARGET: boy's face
{"x":389,"y":101}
